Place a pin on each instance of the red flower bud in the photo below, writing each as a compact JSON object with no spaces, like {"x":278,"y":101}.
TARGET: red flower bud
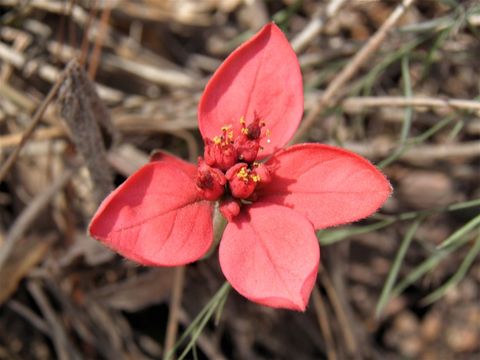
{"x":241,"y":180}
{"x":229,"y":208}
{"x":247,"y":143}
{"x":247,"y":149}
{"x":220,"y":154}
{"x":263,"y":173}
{"x":210,"y":181}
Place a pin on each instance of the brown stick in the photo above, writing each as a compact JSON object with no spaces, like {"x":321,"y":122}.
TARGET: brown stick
{"x":330,"y":94}
{"x":175,"y":307}
{"x":95,"y":58}
{"x":62,"y":345}
{"x":342,"y":317}
{"x":49,"y":133}
{"x":324,"y":323}
{"x":315,"y":25}
{"x":355,"y":104}
{"x":420,"y":153}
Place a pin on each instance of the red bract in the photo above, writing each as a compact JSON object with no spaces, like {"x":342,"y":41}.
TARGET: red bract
{"x":273,"y":198}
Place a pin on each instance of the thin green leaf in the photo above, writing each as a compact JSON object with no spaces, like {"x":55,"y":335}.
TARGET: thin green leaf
{"x":457,"y":277}
{"x":455,"y":131}
{"x":457,"y":235}
{"x":393,"y":273}
{"x":407,"y":119}
{"x":417,"y":140}
{"x":427,"y":265}
{"x":328,"y":237}
{"x":197,"y":325}
{"x":221,"y":305}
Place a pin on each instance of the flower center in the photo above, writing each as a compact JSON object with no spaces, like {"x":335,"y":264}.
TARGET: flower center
{"x":229,"y":171}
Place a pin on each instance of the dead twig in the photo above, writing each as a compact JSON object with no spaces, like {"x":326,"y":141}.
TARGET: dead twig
{"x":11,"y":140}
{"x":175,"y":308}
{"x":357,"y":104}
{"x":341,"y":315}
{"x":97,"y":49}
{"x":315,"y":25}
{"x":63,"y":347}
{"x":324,"y":323}
{"x":333,"y":89}
{"x":30,"y":316}
{"x":421,"y":153}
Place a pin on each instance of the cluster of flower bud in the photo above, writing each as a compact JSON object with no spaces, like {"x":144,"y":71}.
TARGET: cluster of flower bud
{"x":228,"y":170}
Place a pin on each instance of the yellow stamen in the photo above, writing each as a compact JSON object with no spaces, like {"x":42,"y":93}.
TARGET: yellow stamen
{"x":255,"y":178}
{"x":242,"y":121}
{"x":244,"y":131}
{"x":243,"y":174}
{"x":217,"y":140}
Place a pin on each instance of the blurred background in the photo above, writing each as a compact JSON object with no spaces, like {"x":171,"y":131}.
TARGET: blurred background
{"x":397,"y":82}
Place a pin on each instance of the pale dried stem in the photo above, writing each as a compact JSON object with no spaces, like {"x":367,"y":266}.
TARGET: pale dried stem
{"x":419,"y":154}
{"x":49,"y":133}
{"x":315,"y":26}
{"x":63,"y":348}
{"x":357,"y":104}
{"x":341,"y":315}
{"x":331,"y":94}
{"x":30,"y":316}
{"x":145,"y":124}
{"x":324,"y":323}
{"x":175,"y":308}
{"x":97,"y":49}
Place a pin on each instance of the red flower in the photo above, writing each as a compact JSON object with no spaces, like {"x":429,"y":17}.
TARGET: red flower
{"x":162,"y":214}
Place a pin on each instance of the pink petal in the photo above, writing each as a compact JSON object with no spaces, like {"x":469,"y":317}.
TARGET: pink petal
{"x":164,"y":156}
{"x":261,"y":77}
{"x":270,"y":255}
{"x":155,"y":218}
{"x":329,"y":185}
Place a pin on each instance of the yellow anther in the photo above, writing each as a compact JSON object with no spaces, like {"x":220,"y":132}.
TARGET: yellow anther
{"x":217,"y":140}
{"x":255,"y":178}
{"x":243,"y":174}
{"x":225,"y":128}
{"x":242,"y":121}
{"x":244,"y":131}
